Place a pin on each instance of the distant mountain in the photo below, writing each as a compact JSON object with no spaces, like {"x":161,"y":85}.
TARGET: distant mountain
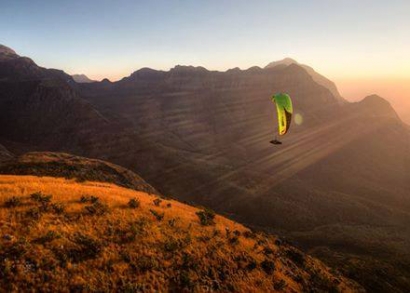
{"x":320,"y":79}
{"x":16,"y":68}
{"x":7,"y":53}
{"x":338,"y":185}
{"x":82,"y":78}
{"x":42,"y":111}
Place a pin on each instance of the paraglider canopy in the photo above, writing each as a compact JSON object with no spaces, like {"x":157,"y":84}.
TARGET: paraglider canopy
{"x":284,"y":109}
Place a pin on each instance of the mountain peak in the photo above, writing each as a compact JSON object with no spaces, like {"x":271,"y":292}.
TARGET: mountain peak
{"x":374,"y":98}
{"x":379,"y":106}
{"x":318,"y":78}
{"x":81,"y":78}
{"x":190,"y":68}
{"x":6,"y":52}
{"x":286,"y":61}
{"x":144,"y":71}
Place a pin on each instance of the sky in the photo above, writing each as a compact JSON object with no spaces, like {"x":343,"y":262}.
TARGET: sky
{"x":348,"y":41}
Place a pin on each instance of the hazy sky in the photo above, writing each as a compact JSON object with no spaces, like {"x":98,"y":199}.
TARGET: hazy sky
{"x":344,"y":40}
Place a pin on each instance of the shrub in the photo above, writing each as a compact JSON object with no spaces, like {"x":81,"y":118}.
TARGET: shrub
{"x":234,"y":240}
{"x":268,"y":251}
{"x":39,"y":197}
{"x":50,"y":236}
{"x":88,"y":248}
{"x":185,"y":280}
{"x":171,"y":245}
{"x":204,"y":238}
{"x":84,"y":199}
{"x":157,"y":202}
{"x":189,"y":262}
{"x":249,"y":234}
{"x":12,"y":202}
{"x":228,"y":232}
{"x":251,"y":265}
{"x":126,"y":236}
{"x":17,"y":250}
{"x":97,"y":208}
{"x":268,"y":266}
{"x":296,"y":256}
{"x":92,"y":199}
{"x":206,"y":217}
{"x":145,"y":263}
{"x":134,"y":203}
{"x":237,"y":233}
{"x":172,"y":222}
{"x":159,"y":216}
{"x":280,"y":285}
{"x":58,"y":208}
{"x":34,"y":213}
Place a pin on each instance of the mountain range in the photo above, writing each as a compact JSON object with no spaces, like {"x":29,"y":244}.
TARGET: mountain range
{"x":337,"y":187}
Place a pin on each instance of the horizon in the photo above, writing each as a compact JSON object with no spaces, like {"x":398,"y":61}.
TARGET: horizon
{"x":362,"y":47}
{"x":396,"y":91}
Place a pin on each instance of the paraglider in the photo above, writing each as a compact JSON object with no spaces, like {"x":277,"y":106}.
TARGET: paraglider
{"x":284,"y":109}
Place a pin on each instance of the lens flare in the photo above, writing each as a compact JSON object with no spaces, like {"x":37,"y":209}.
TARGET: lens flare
{"x":298,"y":119}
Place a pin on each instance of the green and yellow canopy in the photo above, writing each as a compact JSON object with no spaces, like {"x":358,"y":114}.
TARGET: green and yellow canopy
{"x":284,"y":109}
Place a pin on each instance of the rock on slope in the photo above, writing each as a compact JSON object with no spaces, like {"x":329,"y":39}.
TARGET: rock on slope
{"x":61,"y":235}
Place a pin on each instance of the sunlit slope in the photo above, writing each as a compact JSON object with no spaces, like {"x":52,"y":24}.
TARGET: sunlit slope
{"x":89,"y":236}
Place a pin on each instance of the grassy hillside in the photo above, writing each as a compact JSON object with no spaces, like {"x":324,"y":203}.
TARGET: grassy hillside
{"x":63,"y":235}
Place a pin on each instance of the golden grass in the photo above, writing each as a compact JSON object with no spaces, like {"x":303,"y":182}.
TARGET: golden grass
{"x":125,"y":249}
